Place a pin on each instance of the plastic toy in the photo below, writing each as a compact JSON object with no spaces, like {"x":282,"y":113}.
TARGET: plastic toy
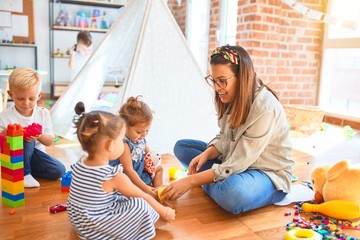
{"x":32,"y":130}
{"x":339,"y":182}
{"x":160,"y":190}
{"x":302,"y":234}
{"x":349,"y":132}
{"x":339,"y":209}
{"x":12,"y":166}
{"x":66,"y":181}
{"x":174,"y":173}
{"x":152,"y":160}
{"x":58,"y":208}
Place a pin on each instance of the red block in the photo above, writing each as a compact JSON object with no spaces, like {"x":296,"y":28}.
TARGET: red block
{"x":65,"y":188}
{"x":16,"y":172}
{"x":14,"y":130}
{"x":32,"y":130}
{"x":12,"y":178}
{"x":5,"y":146}
{"x":15,"y":153}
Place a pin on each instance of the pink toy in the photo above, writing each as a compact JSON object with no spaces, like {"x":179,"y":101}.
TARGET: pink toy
{"x":152,"y":160}
{"x":32,"y":130}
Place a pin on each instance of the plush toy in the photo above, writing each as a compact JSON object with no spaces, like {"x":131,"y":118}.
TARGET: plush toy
{"x":338,"y":182}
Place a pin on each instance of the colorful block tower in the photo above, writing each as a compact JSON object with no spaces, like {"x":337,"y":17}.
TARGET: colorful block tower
{"x":66,"y":181}
{"x":12,"y":166}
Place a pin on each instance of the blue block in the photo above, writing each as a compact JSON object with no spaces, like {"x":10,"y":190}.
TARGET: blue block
{"x":66,"y":179}
{"x":13,"y":197}
{"x":16,"y":159}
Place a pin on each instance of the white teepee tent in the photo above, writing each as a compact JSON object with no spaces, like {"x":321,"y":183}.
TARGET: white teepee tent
{"x":147,"y":45}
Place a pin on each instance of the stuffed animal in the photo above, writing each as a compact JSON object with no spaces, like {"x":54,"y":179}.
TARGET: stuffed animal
{"x":338,"y":182}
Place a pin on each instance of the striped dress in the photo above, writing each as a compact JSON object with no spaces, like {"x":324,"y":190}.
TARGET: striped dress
{"x":96,"y":214}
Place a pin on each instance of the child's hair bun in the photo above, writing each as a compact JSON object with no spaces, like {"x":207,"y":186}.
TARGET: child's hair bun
{"x":135,"y":102}
{"x":79,"y":108}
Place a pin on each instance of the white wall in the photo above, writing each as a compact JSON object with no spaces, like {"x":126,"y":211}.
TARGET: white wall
{"x":41,"y":15}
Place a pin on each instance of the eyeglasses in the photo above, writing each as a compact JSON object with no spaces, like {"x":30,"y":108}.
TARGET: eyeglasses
{"x":222,"y":83}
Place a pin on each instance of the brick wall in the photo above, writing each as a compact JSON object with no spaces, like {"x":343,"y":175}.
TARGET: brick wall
{"x":284,"y":45}
{"x":179,"y":13}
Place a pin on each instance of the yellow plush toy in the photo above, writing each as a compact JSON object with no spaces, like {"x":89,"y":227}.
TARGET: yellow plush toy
{"x":338,"y":182}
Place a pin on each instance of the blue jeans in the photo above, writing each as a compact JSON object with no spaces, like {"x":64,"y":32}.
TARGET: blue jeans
{"x":238,"y":193}
{"x":40,"y":164}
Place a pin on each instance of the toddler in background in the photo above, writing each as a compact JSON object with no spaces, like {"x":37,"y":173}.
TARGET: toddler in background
{"x":103,"y":202}
{"x":80,"y":53}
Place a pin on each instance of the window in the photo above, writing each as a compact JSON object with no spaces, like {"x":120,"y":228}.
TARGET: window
{"x":340,"y":78}
{"x":228,"y":23}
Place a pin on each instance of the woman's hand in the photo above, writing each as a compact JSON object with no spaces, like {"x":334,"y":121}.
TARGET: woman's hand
{"x":177,"y":189}
{"x":196,"y":163}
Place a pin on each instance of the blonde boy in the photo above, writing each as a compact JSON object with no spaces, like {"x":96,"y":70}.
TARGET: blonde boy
{"x":25,"y":90}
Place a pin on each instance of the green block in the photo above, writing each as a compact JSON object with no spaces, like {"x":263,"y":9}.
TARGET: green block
{"x":13,"y":203}
{"x":16,"y":143}
{"x":12,"y":166}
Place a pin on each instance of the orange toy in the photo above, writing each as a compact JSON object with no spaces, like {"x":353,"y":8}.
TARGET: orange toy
{"x":339,"y":209}
{"x":339,"y":182}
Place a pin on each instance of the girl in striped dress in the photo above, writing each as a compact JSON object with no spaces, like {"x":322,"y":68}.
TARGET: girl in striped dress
{"x":103,"y":202}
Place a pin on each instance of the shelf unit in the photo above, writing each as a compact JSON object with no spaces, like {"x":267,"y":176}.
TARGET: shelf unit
{"x":52,"y":29}
{"x":23,"y":45}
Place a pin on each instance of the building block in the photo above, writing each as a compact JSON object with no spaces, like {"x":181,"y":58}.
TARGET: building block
{"x":12,"y":178}
{"x":65,"y":189}
{"x":15,"y":172}
{"x":12,"y":166}
{"x":12,"y":187}
{"x":16,"y":143}
{"x":5,"y":146}
{"x":13,"y":203}
{"x":16,"y":159}
{"x":66,"y":181}
{"x":11,"y":197}
{"x":33,"y":129}
{"x":5,"y":157}
{"x":15,"y":153}
{"x":14,"y":130}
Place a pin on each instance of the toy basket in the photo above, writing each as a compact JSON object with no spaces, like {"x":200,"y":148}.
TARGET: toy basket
{"x":304,"y":118}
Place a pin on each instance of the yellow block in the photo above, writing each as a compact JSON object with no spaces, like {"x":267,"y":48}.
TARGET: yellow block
{"x":13,"y":188}
{"x":5,"y":157}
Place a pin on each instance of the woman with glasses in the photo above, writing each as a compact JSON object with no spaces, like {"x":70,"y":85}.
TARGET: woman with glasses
{"x":248,"y":164}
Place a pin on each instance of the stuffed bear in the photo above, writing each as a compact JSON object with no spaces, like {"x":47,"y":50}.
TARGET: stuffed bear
{"x":338,"y":182}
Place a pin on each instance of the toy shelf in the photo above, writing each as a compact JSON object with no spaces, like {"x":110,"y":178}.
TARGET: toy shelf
{"x":95,"y":3}
{"x":79,"y":29}
{"x":18,"y":45}
{"x":64,"y":36}
{"x":66,"y":57}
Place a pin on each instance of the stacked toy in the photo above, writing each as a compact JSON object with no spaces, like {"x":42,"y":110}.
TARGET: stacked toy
{"x":12,"y":166}
{"x":66,"y":181}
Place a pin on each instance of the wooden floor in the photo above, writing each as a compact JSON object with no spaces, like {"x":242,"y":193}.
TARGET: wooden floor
{"x":198,"y":217}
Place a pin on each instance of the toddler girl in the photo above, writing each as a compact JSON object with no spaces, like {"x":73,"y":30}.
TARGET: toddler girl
{"x":103,"y":202}
{"x":138,"y":118}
